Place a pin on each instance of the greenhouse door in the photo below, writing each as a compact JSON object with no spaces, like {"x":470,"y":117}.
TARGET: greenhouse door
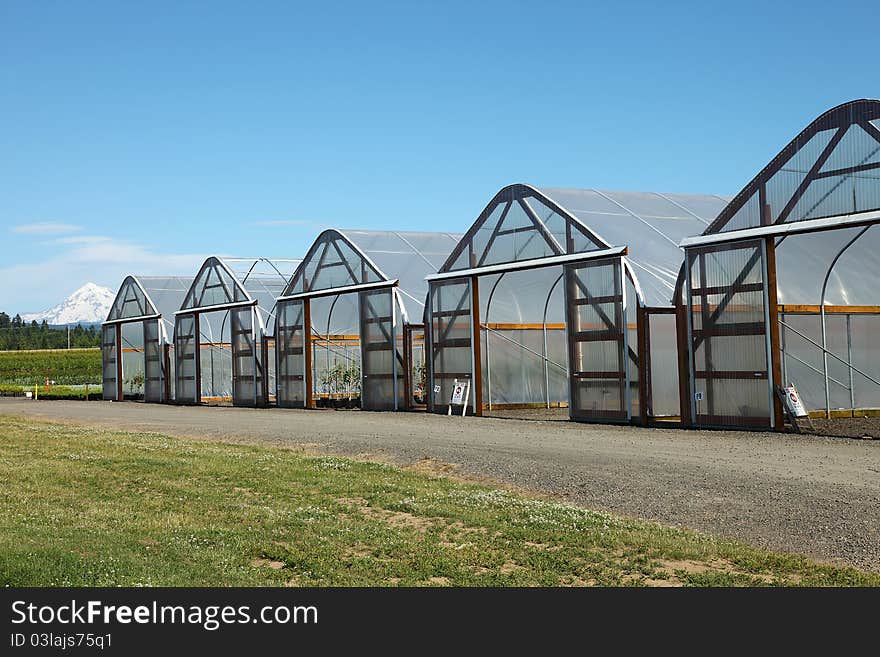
{"x":728,"y":312}
{"x":451,"y":340}
{"x":247,"y":379}
{"x":109,"y":365}
{"x":382,"y":385}
{"x":291,"y":368}
{"x":186,"y":361}
{"x":597,"y":341}
{"x":153,"y":374}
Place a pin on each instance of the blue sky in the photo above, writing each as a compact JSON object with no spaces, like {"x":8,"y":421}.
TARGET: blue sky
{"x":143,"y":136}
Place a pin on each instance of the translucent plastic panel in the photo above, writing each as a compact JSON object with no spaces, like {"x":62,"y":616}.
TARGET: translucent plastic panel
{"x":514,"y":369}
{"x":748,"y":216}
{"x":597,"y":336}
{"x":664,"y":393}
{"x":381,"y":363}
{"x":451,"y":339}
{"x":109,"y":355}
{"x":866,"y":357}
{"x":826,"y":197}
{"x":782,"y":185}
{"x":167,"y":293}
{"x":213,"y":286}
{"x":481,"y":237}
{"x":153,"y":374}
{"x":827,"y":171}
{"x":728,"y":336}
{"x":130,"y":302}
{"x":706,"y":208}
{"x":632,"y":348}
{"x":247,"y":380}
{"x":554,"y":223}
{"x":856,"y":147}
{"x":333,"y":263}
{"x":845,"y":337}
{"x":291,"y":356}
{"x":132,"y":348}
{"x":185,"y":366}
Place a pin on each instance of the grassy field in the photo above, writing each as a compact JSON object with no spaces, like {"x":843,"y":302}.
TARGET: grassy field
{"x":65,"y":367}
{"x":90,"y":393}
{"x":85,"y":506}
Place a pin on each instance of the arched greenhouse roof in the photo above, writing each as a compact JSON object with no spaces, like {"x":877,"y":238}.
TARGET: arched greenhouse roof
{"x":523,"y":222}
{"x":820,"y":197}
{"x":142,"y":297}
{"x":225,"y":282}
{"x":339,"y":259}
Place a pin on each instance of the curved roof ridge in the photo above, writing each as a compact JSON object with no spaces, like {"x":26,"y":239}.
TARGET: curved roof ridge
{"x":219,"y":261}
{"x":828,"y":120}
{"x":134,"y":279}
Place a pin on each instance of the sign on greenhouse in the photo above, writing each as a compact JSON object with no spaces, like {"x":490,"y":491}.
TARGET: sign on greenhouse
{"x":794,"y":403}
{"x":460,"y":393}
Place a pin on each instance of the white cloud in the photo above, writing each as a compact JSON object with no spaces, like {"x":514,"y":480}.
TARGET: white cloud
{"x":45,"y":228}
{"x":104,"y":260}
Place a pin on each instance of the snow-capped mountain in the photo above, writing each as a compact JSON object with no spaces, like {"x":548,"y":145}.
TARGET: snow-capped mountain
{"x":90,"y":303}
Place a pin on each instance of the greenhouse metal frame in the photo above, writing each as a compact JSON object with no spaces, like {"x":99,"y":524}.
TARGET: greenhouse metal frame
{"x":617,"y":255}
{"x":150,"y":301}
{"x":351,"y":301}
{"x":760,"y":277}
{"x":246,"y":298}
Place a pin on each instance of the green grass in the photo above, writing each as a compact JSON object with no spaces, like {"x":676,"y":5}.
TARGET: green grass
{"x":93,"y":393}
{"x":86,"y":506}
{"x":65,"y":367}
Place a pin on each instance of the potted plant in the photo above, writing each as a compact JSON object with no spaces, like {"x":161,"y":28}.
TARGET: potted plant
{"x":136,"y":384}
{"x":420,"y":379}
{"x":353,"y":385}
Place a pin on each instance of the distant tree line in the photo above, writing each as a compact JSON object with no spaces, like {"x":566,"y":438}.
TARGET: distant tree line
{"x":15,"y":333}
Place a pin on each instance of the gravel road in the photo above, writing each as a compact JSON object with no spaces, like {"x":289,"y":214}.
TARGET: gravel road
{"x":805,"y":494}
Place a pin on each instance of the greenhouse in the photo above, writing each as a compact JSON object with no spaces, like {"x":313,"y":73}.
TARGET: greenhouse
{"x":781,"y":289}
{"x":592,"y":305}
{"x":223,"y":332}
{"x":137,"y":328}
{"x":563,"y":299}
{"x":349,"y":323}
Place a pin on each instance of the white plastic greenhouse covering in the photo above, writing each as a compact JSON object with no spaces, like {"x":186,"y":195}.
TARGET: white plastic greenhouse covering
{"x":221,"y":283}
{"x":826,"y":179}
{"x":524,"y":344}
{"x":651,"y":224}
{"x":355,"y":258}
{"x":147,"y":305}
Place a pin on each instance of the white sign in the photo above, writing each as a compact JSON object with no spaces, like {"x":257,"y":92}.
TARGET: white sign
{"x":698,"y":396}
{"x":459,"y":392}
{"x":437,"y":389}
{"x":793,"y":402}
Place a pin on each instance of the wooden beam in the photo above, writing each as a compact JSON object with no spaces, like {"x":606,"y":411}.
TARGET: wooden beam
{"x":307,"y":353}
{"x":477,"y":383}
{"x":264,"y":349}
{"x":684,"y":376}
{"x":775,"y":364}
{"x":166,"y":364}
{"x":119,"y":351}
{"x":815,"y":310}
{"x":197,"y":357}
{"x":643,"y":350}
{"x":708,"y":321}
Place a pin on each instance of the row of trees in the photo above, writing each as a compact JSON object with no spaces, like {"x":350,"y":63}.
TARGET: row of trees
{"x":15,"y":333}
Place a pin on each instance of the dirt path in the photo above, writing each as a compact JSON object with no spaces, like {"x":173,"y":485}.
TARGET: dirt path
{"x":818,"y":496}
